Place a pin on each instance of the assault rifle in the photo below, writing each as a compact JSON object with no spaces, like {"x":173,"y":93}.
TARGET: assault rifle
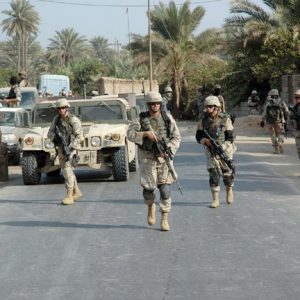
{"x":63,"y":143}
{"x":218,"y":150}
{"x":293,"y":110}
{"x":164,"y":151}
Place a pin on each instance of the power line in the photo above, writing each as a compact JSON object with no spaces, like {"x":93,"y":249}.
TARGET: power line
{"x":116,"y":5}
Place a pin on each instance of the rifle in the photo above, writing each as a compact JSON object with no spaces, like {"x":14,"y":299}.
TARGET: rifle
{"x":61,"y":139}
{"x":164,"y":151}
{"x":292,"y":109}
{"x":217,"y":150}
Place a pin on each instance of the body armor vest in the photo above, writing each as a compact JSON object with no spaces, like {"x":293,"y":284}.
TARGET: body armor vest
{"x":215,"y":127}
{"x":12,"y":94}
{"x":157,"y":124}
{"x":65,"y":128}
{"x":274,"y":113}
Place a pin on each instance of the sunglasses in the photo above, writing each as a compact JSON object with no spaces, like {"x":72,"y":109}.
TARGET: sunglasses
{"x":297,"y":97}
{"x":64,"y":107}
{"x":210,"y":106}
{"x":155,"y":103}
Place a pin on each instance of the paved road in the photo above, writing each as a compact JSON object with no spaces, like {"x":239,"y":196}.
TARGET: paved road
{"x":102,"y":248}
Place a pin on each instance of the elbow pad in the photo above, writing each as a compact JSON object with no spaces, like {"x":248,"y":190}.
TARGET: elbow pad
{"x":229,"y":135}
{"x":199,"y":135}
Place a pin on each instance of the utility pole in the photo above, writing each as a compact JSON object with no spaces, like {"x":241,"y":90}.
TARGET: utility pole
{"x":150,"y":46}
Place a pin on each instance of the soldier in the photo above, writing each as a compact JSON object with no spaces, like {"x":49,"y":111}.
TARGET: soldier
{"x":14,"y":96}
{"x":220,"y":128}
{"x":253,"y":103}
{"x":66,"y":134}
{"x":295,"y":120}
{"x":217,"y":93}
{"x":22,"y":79}
{"x":155,"y":125}
{"x":275,"y":115}
{"x":167,"y":99}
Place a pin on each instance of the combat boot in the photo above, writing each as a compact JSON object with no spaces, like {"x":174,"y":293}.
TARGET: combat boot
{"x":276,"y":150}
{"x":215,"y":201}
{"x":76,"y":192}
{"x":151,"y":214}
{"x":229,"y":195}
{"x":280,"y":148}
{"x":69,"y":199}
{"x":164,"y":225}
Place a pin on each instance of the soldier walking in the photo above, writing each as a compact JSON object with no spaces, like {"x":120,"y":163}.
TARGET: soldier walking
{"x":167,"y":99}
{"x":219,"y":127}
{"x":153,"y":126}
{"x":275,"y":115}
{"x":217,"y":93}
{"x":295,"y":120}
{"x":66,"y":134}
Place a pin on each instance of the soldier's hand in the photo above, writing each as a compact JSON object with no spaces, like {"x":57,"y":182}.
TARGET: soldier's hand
{"x":262,"y":124}
{"x":150,"y":135}
{"x":207,"y":142}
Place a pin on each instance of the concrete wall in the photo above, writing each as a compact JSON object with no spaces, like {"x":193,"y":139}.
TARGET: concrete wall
{"x":115,"y":86}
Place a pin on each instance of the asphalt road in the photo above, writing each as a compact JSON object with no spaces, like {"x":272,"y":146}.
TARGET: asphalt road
{"x":102,"y":248}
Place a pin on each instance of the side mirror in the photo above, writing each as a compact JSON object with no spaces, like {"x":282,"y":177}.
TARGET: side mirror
{"x":134,"y":113}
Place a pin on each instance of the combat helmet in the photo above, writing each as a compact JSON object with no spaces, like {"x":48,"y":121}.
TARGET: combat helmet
{"x":254,"y":92}
{"x":153,"y":97}
{"x":63,"y":102}
{"x":168,"y":89}
{"x":274,"y":92}
{"x":297,"y":92}
{"x":212,"y":100}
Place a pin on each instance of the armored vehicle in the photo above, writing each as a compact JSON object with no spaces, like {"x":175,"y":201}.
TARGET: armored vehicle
{"x":11,"y":125}
{"x":29,"y":96}
{"x":105,"y":147}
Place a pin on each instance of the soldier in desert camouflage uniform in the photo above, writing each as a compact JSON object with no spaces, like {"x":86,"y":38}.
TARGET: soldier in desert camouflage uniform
{"x":153,"y":125}
{"x":69,"y":127}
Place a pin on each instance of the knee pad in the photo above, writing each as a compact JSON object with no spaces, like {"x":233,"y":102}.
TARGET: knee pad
{"x":165,"y":192}
{"x":228,"y":179}
{"x":148,"y":194}
{"x":214,"y":177}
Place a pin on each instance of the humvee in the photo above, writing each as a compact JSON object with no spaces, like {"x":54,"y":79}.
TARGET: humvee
{"x":105,"y":120}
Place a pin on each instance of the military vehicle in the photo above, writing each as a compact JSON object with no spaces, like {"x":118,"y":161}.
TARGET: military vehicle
{"x":105,"y":147}
{"x":29,"y":96}
{"x":12,"y":128}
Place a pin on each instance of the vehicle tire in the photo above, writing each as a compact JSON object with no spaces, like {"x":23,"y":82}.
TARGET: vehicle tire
{"x":30,"y":172}
{"x":120,"y":165}
{"x":16,"y":158}
{"x":54,"y":173}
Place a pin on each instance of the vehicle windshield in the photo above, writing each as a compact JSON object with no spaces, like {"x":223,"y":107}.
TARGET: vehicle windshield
{"x":7,"y":118}
{"x":45,"y":115}
{"x":101,"y":112}
{"x":28,"y":99}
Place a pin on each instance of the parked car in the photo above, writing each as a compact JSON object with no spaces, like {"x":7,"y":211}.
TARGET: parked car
{"x":11,"y":135}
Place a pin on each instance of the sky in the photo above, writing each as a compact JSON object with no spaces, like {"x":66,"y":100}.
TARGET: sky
{"x":110,"y":18}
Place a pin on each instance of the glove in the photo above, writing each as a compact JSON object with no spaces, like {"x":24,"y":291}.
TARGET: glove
{"x":262,"y":124}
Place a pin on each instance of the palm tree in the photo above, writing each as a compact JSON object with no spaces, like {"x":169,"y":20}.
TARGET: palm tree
{"x":101,"y":50}
{"x":22,"y":23}
{"x":173,"y":41}
{"x":66,"y":46}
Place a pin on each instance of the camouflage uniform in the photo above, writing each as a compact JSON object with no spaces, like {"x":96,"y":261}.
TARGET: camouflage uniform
{"x":154,"y":171}
{"x":71,"y":129}
{"x":295,"y":120}
{"x":275,"y":114}
{"x":218,"y":128}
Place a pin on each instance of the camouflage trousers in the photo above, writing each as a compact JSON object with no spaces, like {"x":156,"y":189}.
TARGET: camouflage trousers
{"x":297,"y":141}
{"x":277,"y":134}
{"x":218,"y":168}
{"x":67,"y":169}
{"x":155,"y":174}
